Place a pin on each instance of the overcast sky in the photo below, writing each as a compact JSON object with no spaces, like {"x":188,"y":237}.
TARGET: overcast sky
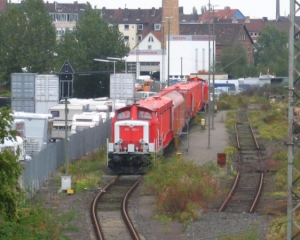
{"x":252,"y":8}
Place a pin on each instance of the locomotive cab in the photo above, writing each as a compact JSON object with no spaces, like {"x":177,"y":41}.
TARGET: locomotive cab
{"x":131,"y":143}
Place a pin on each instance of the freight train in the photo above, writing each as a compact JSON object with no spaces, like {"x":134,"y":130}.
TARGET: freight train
{"x":148,"y":126}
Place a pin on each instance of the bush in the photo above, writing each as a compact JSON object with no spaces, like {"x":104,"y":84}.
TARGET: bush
{"x":181,"y":187}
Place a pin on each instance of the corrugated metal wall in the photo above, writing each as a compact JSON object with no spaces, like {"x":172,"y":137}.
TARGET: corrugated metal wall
{"x":44,"y":164}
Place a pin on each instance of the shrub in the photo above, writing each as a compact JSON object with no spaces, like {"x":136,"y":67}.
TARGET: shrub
{"x":181,"y":187}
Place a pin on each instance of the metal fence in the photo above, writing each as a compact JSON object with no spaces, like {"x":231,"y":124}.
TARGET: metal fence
{"x":45,"y":163}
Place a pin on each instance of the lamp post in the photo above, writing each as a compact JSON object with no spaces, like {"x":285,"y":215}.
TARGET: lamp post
{"x":214,"y":45}
{"x":168,"y":18}
{"x":113,"y":60}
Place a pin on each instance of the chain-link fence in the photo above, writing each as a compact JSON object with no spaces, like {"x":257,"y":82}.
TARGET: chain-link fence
{"x":46,"y":162}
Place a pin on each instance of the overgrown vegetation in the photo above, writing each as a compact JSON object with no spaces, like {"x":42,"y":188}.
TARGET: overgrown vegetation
{"x":271,"y":126}
{"x":182,"y":188}
{"x":86,"y":172}
{"x":34,"y":221}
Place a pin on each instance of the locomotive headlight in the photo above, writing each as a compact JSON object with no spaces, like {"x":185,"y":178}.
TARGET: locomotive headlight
{"x":146,"y":147}
{"x":142,"y":141}
{"x":116,"y":147}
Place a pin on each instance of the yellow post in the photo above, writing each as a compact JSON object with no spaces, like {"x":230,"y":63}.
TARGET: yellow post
{"x":176,"y":142}
{"x":203,"y":123}
{"x":179,"y":155}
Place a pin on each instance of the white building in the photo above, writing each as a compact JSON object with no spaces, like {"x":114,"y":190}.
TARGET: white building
{"x":188,"y":54}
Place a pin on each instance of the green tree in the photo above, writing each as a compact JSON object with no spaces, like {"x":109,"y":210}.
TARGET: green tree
{"x":10,"y":169}
{"x":203,"y":9}
{"x":92,"y":37}
{"x":271,"y":51}
{"x":233,"y":61}
{"x":27,"y":39}
{"x":195,"y":12}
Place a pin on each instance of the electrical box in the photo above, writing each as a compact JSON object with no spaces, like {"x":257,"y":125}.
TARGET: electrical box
{"x":65,"y":182}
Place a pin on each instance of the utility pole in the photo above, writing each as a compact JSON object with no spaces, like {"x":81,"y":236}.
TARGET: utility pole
{"x":214,"y":45}
{"x":66,"y":135}
{"x":293,"y":228}
{"x":209,"y":102}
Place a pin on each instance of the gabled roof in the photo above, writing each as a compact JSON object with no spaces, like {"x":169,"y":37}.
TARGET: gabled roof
{"x":131,"y":16}
{"x":191,"y":18}
{"x":226,"y":13}
{"x":65,"y":7}
{"x":158,"y":35}
{"x":225,"y":33}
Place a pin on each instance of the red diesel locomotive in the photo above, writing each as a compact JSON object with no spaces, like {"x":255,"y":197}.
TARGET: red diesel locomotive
{"x":148,"y":126}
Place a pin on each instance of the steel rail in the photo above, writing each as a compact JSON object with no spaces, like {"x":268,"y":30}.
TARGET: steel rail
{"x":94,"y":216}
{"x":233,"y":188}
{"x":253,"y":206}
{"x":125,"y":215}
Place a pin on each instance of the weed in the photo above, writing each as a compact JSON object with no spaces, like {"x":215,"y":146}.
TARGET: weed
{"x":181,"y":187}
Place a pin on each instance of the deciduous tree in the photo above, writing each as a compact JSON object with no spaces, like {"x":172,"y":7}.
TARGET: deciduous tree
{"x":10,"y":169}
{"x":27,"y":39}
{"x":271,"y":51}
{"x":92,"y":37}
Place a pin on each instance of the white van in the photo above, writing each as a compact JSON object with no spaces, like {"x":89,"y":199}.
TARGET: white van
{"x":143,"y":95}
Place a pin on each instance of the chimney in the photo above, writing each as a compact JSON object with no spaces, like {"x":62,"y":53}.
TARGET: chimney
{"x":170,"y":15}
{"x":247,"y":20}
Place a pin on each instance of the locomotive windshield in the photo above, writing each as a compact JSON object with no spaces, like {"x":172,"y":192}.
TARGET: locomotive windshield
{"x":123,"y":115}
{"x":144,"y":115}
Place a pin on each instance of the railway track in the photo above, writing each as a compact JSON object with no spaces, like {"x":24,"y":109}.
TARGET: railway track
{"x":109,"y":209}
{"x":248,"y":183}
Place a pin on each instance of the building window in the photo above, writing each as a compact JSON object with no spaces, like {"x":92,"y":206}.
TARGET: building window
{"x":126,"y":27}
{"x":150,"y":39}
{"x":140,"y":27}
{"x":157,"y":27}
{"x":126,"y":39}
{"x":140,"y":38}
{"x":149,"y":47}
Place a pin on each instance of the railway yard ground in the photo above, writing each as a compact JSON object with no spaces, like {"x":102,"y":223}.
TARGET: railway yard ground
{"x":204,"y":146}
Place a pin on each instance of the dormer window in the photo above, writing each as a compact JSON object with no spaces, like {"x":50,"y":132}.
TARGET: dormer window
{"x":140,"y":26}
{"x":150,"y":39}
{"x":157,"y":27}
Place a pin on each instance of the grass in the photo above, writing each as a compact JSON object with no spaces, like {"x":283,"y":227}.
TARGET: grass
{"x":86,"y":173}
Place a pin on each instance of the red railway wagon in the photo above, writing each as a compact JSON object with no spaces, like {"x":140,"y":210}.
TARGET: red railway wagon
{"x":205,"y":89}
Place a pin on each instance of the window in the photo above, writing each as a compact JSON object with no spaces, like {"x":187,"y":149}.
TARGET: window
{"x":123,"y":115}
{"x":140,"y":27}
{"x":157,"y":27}
{"x":144,"y":115}
{"x":126,"y":39}
{"x":149,"y":47}
{"x":150,"y":39}
{"x":126,"y":27}
{"x":55,"y":113}
{"x":139,"y":37}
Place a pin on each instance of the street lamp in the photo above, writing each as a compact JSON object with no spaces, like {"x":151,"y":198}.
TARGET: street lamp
{"x":168,"y":18}
{"x":113,"y":60}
